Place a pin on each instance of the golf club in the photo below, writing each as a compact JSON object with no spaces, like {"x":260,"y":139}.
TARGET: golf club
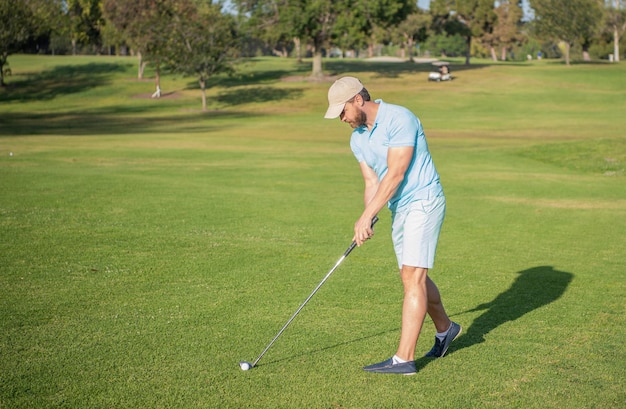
{"x":244,"y":365}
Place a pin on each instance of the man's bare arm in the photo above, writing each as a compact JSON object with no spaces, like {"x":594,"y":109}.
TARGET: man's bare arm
{"x":398,"y":161}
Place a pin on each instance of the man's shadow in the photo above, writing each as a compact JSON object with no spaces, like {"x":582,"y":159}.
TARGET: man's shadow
{"x":532,"y":289}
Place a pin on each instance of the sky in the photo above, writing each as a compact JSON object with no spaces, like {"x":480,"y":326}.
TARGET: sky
{"x":423,"y":4}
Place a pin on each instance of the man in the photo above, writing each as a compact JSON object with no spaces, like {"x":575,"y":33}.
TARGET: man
{"x":390,"y":146}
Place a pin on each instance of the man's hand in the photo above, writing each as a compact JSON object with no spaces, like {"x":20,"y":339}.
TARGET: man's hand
{"x":363,"y":230}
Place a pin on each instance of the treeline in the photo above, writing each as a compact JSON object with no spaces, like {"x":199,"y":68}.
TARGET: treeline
{"x":201,"y":37}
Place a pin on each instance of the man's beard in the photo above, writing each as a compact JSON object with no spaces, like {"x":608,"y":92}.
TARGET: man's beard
{"x":360,"y":120}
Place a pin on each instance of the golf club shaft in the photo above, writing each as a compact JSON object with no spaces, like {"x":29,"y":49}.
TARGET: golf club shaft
{"x":332,"y":270}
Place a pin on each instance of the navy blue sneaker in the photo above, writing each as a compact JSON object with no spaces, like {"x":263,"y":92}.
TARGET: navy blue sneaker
{"x":441,"y":347}
{"x":405,"y":368}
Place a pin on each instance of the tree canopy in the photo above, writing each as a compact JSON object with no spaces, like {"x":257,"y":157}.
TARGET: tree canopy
{"x":197,"y":37}
{"x":203,"y":43}
{"x":18,"y":24}
{"x":569,"y":21}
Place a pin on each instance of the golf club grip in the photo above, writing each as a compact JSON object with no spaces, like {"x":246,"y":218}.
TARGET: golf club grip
{"x":353,"y":245}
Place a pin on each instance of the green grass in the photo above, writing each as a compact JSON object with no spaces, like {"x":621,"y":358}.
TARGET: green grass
{"x":147,"y":247}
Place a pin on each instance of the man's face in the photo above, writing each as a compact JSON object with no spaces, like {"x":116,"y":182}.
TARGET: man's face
{"x":352,"y":114}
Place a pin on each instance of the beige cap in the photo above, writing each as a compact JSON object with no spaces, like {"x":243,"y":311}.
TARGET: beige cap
{"x":343,"y":90}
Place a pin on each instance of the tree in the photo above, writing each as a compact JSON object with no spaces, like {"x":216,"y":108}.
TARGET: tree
{"x":615,"y":20}
{"x":506,"y":31}
{"x":260,"y":19}
{"x":112,"y":38}
{"x":52,"y":23}
{"x":147,"y":26}
{"x":470,"y":18}
{"x":478,"y":16}
{"x":569,"y":21}
{"x":321,"y":24}
{"x":85,"y":21}
{"x":203,"y":43}
{"x":382,"y":17}
{"x":312,"y":22}
{"x":353,"y":29}
{"x":447,"y":45}
{"x":414,"y":29}
{"x":18,"y":24}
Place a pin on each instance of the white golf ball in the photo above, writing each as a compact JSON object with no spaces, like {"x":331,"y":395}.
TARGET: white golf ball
{"x":244,"y":366}
{"x":10,"y":153}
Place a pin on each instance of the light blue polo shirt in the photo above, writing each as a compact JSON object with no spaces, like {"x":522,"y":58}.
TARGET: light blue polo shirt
{"x":396,"y":126}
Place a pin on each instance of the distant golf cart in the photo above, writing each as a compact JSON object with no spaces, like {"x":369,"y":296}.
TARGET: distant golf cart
{"x":442,"y":73}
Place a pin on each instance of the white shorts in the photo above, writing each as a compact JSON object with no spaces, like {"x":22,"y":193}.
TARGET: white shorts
{"x":415,"y":232}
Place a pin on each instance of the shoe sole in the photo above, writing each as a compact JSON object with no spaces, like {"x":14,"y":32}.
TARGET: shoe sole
{"x":394,"y":373}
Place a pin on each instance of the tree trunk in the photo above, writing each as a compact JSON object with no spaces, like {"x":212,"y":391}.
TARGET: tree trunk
{"x":468,"y":51}
{"x":492,"y":50}
{"x":142,"y":66}
{"x":3,"y":62}
{"x":503,"y":54}
{"x":203,"y":88}
{"x":585,"y":47}
{"x":567,"y":47}
{"x":73,"y":46}
{"x":298,"y":46}
{"x":616,"y":36}
{"x":317,"y":63}
{"x":157,"y":82}
{"x":616,"y":45}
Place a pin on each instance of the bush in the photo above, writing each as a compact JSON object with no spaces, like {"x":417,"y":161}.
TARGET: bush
{"x":446,"y":46}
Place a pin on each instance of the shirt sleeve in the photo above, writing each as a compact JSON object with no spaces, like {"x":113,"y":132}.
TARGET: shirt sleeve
{"x":356,"y":149}
{"x":404,"y":130}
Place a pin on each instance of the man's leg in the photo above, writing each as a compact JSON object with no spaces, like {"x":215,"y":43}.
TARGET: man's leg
{"x":435,"y":307}
{"x":421,"y":295}
{"x":447,"y":331}
{"x":414,"y":308}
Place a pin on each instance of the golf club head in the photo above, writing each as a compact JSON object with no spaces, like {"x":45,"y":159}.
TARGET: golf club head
{"x":245,"y":365}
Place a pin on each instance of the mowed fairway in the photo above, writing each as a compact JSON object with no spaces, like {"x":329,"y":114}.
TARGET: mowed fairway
{"x":147,"y":247}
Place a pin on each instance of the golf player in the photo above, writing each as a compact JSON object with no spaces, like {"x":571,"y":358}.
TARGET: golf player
{"x":389,"y":143}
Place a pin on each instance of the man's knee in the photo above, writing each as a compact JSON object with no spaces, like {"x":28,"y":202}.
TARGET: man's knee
{"x":413,"y":275}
